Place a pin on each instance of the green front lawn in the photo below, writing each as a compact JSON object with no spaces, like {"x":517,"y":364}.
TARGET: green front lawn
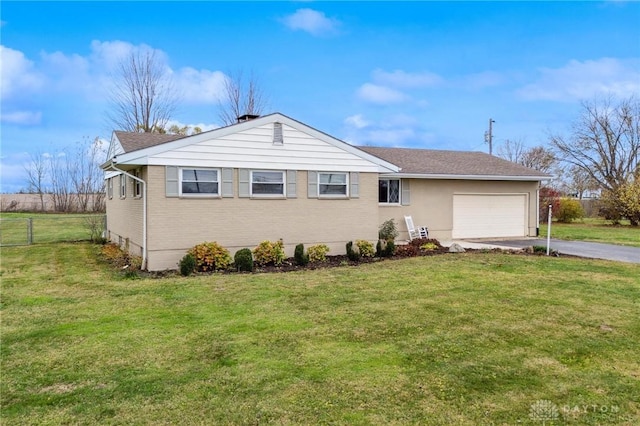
{"x":596,"y":230}
{"x":463,"y":339}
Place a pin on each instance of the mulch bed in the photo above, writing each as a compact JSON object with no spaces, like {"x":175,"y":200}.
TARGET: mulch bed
{"x":289,"y":264}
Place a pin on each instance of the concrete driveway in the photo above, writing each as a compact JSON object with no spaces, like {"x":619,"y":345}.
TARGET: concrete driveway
{"x":576,"y":248}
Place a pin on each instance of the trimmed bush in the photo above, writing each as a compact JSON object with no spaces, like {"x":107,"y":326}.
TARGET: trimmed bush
{"x":385,"y":248}
{"x":269,"y":253}
{"x":243,"y":259}
{"x":299,"y":255}
{"x":318,"y":253}
{"x":211,"y":256}
{"x":353,"y":253}
{"x":390,"y":250}
{"x":569,"y":210}
{"x":388,"y":230}
{"x":187,"y":265}
{"x":366,"y":248}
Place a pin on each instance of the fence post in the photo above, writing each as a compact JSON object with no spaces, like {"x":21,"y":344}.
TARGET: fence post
{"x":30,"y":231}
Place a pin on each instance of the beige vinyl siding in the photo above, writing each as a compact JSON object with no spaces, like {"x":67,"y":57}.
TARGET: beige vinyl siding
{"x":254,"y":149}
{"x":177,"y":224}
{"x":432,"y":203}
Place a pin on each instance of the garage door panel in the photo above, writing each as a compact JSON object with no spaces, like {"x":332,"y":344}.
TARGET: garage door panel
{"x":489,"y":215}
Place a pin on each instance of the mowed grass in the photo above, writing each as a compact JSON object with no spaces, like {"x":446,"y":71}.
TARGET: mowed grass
{"x":467,"y":339}
{"x":596,"y":230}
{"x":48,"y":227}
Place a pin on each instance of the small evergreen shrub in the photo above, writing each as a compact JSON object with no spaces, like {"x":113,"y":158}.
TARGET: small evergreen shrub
{"x":269,"y":253}
{"x":569,"y":210}
{"x":390,"y":250}
{"x":318,"y":253}
{"x":187,"y":265}
{"x":243,"y":259}
{"x":299,"y":256}
{"x":353,"y":253}
{"x":366,"y":248}
{"x":388,"y":230}
{"x":211,"y":256}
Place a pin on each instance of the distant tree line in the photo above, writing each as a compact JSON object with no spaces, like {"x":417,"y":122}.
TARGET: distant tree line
{"x":71,"y":179}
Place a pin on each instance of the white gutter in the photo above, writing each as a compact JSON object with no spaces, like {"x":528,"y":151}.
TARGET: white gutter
{"x":144,"y":210}
{"x":463,"y":177}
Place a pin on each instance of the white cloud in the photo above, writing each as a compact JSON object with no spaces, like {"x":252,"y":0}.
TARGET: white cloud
{"x":380,"y":94}
{"x":200,"y":86}
{"x":19,"y":74}
{"x":396,"y":130}
{"x":403,"y":79}
{"x":357,"y":121}
{"x":204,"y":127}
{"x":25,"y":118}
{"x":582,"y":80}
{"x":311,"y":21}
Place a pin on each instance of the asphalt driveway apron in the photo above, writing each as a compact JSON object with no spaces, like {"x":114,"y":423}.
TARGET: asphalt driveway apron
{"x":578,"y":248}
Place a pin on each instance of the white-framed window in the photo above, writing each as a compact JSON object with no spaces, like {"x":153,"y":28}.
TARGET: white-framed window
{"x":123,"y":185}
{"x":267,"y":183}
{"x":333,"y":185}
{"x":389,"y":191}
{"x":199,"y":182}
{"x":137,"y":185}
{"x":110,"y":188}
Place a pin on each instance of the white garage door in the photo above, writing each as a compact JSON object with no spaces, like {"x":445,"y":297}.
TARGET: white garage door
{"x":489,"y":215}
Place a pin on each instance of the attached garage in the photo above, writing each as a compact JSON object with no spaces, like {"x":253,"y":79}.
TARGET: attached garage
{"x":489,"y":215}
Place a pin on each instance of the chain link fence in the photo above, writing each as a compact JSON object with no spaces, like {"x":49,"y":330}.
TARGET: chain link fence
{"x":20,"y":231}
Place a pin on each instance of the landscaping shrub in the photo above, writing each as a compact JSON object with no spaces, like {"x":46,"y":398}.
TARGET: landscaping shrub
{"x":116,"y":256}
{"x":366,"y":248}
{"x":428,"y":246}
{"x":353,"y":253}
{"x":269,"y":253}
{"x":318,"y":253}
{"x":388,"y":230}
{"x":418,"y":242}
{"x":211,"y":256}
{"x":390,"y":250}
{"x":187,"y":265}
{"x":385,"y":248}
{"x":243,"y":259}
{"x":299,"y":256}
{"x":569,"y":210}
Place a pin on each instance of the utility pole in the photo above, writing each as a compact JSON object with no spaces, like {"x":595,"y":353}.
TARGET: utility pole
{"x":488,"y":136}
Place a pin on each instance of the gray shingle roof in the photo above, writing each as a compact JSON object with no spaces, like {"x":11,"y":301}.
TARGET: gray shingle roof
{"x":456,"y":163}
{"x":133,"y":141}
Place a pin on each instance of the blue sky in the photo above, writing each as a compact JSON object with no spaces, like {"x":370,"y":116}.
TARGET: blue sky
{"x":411,"y":74}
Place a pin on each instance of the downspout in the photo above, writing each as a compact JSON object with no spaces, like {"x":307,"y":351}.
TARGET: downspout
{"x":144,"y":210}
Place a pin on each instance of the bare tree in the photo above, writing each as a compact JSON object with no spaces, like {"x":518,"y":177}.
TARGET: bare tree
{"x":580,"y":182}
{"x":604,"y":142}
{"x":61,"y":185}
{"x":143,"y":97}
{"x":86,"y":175}
{"x":538,"y":157}
{"x":512,"y":151}
{"x":37,"y":175}
{"x":241,"y":96}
